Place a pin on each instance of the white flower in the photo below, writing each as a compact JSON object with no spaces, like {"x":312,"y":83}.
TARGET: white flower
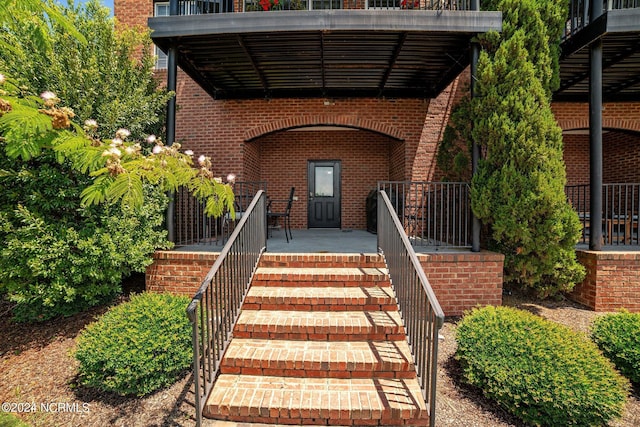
{"x":2,"y":79}
{"x":231,"y":178}
{"x":90,"y":125}
{"x":151,"y":139}
{"x":218,"y":179}
{"x":202,"y":159}
{"x":122,"y":133}
{"x":157,"y":149}
{"x":115,"y":151}
{"x":48,"y":95}
{"x":189,"y":153}
{"x":116,"y":142}
{"x":129,"y":150}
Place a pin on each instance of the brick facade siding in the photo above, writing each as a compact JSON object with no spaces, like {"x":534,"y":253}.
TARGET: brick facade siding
{"x":612,"y":281}
{"x":394,"y":139}
{"x":462,"y":281}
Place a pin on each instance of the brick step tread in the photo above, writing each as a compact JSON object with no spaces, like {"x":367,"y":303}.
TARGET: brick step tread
{"x":320,"y":277}
{"x":334,"y":260}
{"x":320,"y":325}
{"x":360,"y":401}
{"x":320,"y":299}
{"x":364,"y":359}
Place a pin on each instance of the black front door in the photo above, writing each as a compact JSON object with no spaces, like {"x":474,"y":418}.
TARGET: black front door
{"x":324,"y":194}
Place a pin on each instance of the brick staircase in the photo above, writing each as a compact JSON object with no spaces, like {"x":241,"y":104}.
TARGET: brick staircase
{"x":319,"y":341}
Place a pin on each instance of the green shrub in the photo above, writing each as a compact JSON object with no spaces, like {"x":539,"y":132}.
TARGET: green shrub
{"x":618,"y":336}
{"x":137,"y":347}
{"x":8,"y":419}
{"x":540,"y":371}
{"x":58,"y":259}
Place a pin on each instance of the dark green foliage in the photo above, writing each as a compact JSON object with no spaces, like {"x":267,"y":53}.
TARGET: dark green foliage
{"x":137,"y":347}
{"x":518,"y":192}
{"x":540,"y":371}
{"x":618,"y":336}
{"x":58,"y":257}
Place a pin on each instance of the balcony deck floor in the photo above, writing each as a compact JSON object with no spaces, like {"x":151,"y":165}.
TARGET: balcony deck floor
{"x":320,"y":240}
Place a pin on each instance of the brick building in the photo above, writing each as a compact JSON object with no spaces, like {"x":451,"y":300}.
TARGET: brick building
{"x":287,"y":101}
{"x":332,"y":102}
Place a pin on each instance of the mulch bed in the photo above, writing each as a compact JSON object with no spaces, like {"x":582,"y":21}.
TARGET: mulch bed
{"x":37,"y":366}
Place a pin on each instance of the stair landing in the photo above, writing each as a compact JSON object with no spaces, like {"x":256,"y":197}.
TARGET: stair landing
{"x":317,"y":344}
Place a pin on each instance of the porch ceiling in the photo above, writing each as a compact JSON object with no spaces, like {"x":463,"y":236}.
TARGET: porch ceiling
{"x":619,"y":31}
{"x":330,"y":53}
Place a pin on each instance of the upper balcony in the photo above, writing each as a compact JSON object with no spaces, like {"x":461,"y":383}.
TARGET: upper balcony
{"x":322,"y":48}
{"x":618,"y":27}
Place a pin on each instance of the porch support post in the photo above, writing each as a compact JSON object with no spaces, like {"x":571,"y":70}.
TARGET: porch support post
{"x":172,"y":72}
{"x":595,"y":136}
{"x":475,"y":148}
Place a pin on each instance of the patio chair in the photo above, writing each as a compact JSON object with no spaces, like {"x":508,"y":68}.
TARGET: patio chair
{"x":284,"y":214}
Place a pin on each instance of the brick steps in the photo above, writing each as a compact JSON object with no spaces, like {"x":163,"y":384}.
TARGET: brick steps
{"x":318,"y":359}
{"x":314,"y":260}
{"x":319,"y":341}
{"x":318,"y":401}
{"x":319,"y":277}
{"x":320,"y":325}
{"x":320,"y":299}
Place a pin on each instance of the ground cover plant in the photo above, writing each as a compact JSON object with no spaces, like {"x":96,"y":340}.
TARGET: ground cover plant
{"x":542,"y":372}
{"x":136,"y":347}
{"x":618,"y":336}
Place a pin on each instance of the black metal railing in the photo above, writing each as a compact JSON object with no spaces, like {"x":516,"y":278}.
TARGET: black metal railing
{"x":194,"y":227}
{"x":418,"y":305}
{"x":620,"y":212}
{"x":580,"y":12}
{"x":215,"y":308}
{"x":199,"y":7}
{"x":432,"y":213}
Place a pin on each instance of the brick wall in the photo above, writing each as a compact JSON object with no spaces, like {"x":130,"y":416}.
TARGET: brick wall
{"x":622,"y":115}
{"x":612,"y":281}
{"x":178,"y":272}
{"x":364,"y":158}
{"x":464,"y":280}
{"x":461,"y":280}
{"x":133,"y":12}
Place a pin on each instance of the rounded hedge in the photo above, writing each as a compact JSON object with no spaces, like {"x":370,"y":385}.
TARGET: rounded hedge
{"x":618,"y":336}
{"x":542,"y":372}
{"x":136,"y":347}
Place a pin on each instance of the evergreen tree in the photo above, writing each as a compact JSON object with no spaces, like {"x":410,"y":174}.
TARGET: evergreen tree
{"x":518,"y":192}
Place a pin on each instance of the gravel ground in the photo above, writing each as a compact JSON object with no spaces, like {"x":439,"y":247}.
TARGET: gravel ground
{"x":37,"y":366}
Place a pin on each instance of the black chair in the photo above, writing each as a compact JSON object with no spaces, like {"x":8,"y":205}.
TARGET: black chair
{"x":276,"y":215}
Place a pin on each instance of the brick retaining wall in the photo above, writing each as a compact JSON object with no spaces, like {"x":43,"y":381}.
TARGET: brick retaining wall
{"x":178,"y":272}
{"x":612,"y":282}
{"x":460,"y":280}
{"x":464,"y":280}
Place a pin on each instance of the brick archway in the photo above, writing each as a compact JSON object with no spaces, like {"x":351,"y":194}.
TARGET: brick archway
{"x":349,"y":121}
{"x":620,"y":116}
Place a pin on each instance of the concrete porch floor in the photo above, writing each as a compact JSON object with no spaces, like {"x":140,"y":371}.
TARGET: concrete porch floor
{"x":321,"y":240}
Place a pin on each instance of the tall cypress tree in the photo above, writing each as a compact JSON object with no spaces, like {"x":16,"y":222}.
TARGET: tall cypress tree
{"x":518,"y":192}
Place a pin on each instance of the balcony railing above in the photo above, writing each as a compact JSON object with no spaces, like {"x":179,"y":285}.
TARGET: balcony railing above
{"x":199,"y":7}
{"x":580,"y":12}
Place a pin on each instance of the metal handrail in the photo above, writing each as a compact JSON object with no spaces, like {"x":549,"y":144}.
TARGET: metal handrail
{"x":215,"y":308}
{"x":620,"y":211}
{"x":580,"y":14}
{"x":199,"y":7}
{"x":432,"y":213}
{"x":423,"y":318}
